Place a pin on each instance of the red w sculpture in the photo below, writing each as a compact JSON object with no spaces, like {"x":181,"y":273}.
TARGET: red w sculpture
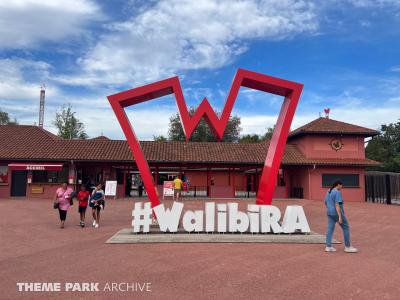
{"x":291,"y":92}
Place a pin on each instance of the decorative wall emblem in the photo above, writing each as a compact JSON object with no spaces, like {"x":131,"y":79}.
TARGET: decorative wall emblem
{"x":336,"y":144}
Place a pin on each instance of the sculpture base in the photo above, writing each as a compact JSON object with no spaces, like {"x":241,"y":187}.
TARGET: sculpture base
{"x":126,"y":236}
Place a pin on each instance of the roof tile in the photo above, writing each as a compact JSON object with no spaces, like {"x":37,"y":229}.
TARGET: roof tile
{"x":33,"y":143}
{"x":326,"y":125}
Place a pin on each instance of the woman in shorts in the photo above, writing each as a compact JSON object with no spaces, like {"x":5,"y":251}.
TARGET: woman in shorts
{"x":97,"y":203}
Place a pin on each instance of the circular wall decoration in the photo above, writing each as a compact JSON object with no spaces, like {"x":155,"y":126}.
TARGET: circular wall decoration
{"x":336,"y":144}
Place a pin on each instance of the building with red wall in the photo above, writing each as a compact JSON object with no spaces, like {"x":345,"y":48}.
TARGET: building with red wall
{"x":33,"y":163}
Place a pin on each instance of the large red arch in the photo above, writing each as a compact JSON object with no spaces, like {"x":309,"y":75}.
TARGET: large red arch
{"x":291,"y":92}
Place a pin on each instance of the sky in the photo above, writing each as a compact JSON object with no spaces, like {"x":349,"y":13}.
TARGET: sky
{"x":345,"y":52}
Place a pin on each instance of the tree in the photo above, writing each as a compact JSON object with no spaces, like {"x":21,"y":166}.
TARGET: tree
{"x":249,"y":138}
{"x":268,"y":134}
{"x":203,"y":133}
{"x":255,"y":138}
{"x":385,"y":148}
{"x":159,"y":138}
{"x":69,"y":127}
{"x":5,"y":119}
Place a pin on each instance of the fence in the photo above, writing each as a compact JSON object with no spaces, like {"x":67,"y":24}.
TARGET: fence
{"x":382,"y":187}
{"x":196,"y":191}
{"x":244,"y":192}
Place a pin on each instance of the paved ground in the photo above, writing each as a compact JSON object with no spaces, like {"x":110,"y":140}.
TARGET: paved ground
{"x":34,"y":249}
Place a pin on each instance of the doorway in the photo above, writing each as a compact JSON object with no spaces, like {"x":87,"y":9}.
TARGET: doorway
{"x":18,"y":183}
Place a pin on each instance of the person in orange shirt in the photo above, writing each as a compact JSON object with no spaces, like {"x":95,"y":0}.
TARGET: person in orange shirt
{"x":177,"y":187}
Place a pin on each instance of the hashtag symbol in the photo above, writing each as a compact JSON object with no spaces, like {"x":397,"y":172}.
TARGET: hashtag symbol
{"x":142,"y":217}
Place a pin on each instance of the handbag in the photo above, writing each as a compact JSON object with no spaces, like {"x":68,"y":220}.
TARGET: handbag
{"x":71,"y":198}
{"x":56,"y":205}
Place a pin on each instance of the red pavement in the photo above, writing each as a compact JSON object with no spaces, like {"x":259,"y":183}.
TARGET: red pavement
{"x":34,"y":249}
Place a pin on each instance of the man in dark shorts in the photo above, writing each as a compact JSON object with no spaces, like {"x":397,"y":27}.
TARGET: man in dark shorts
{"x":177,"y":187}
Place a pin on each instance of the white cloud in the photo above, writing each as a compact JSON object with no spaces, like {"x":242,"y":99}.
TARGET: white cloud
{"x":162,"y":38}
{"x":20,"y":79}
{"x":374,"y":3}
{"x":395,"y":68}
{"x":145,"y":122}
{"x":258,"y":124}
{"x":370,"y":117}
{"x":178,"y":35}
{"x":27,"y":23}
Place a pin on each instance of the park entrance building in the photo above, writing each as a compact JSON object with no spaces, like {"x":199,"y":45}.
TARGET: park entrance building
{"x":33,"y":162}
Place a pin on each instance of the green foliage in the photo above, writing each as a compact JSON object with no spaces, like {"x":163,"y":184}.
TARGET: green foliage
{"x":255,"y":138}
{"x":5,"y":119}
{"x":69,"y":127}
{"x":159,"y":138}
{"x":203,"y":133}
{"x":249,"y":138}
{"x":385,"y":148}
{"x":268,"y":134}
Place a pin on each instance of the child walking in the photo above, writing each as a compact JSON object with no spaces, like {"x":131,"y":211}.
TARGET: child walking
{"x":83,"y":198}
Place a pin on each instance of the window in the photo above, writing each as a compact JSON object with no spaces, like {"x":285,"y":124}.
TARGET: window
{"x":50,"y":176}
{"x":3,"y":174}
{"x":349,"y":180}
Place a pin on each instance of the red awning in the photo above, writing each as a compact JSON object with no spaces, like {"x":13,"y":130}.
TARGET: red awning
{"x":36,"y":166}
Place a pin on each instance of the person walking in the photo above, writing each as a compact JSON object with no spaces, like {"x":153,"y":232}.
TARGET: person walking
{"x":97,"y":203}
{"x":63,"y":198}
{"x":335,"y":213}
{"x":177,"y":187}
{"x":83,"y":197}
{"x":140,"y":186}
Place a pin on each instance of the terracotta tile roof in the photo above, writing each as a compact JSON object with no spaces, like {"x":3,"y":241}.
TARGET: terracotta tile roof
{"x":33,"y":143}
{"x":101,"y":137}
{"x":25,"y":132}
{"x":342,"y":162}
{"x":329,"y":126}
{"x":215,"y":152}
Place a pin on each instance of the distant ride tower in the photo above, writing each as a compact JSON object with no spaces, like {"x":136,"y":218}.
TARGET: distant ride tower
{"x":41,"y":109}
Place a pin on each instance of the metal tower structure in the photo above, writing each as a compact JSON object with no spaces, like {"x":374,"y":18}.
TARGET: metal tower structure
{"x":41,"y":109}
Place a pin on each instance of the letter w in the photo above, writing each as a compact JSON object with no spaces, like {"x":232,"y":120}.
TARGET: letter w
{"x":168,"y":219}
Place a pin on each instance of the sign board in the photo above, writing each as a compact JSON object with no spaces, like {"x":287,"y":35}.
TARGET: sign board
{"x":168,"y":189}
{"x":37,"y":189}
{"x":111,"y":188}
{"x":221,"y":217}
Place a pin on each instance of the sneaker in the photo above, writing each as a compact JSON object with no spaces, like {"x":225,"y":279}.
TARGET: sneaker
{"x":96,"y":226}
{"x":94,"y":223}
{"x":82,"y":224}
{"x":350,"y":249}
{"x":330,"y":249}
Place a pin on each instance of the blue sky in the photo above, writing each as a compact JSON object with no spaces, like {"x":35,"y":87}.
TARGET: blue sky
{"x":346,"y":53}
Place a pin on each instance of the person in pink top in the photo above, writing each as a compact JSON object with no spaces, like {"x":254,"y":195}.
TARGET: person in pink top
{"x":63,"y":197}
